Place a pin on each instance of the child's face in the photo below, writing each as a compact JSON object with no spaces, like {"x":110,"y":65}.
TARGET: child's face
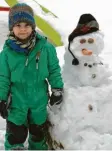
{"x":22,"y":30}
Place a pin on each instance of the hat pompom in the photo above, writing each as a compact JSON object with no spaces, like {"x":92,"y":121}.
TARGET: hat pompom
{"x":75,"y":61}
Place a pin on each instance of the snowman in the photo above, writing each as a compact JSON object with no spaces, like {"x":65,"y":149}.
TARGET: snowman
{"x":82,"y":58}
{"x":83,"y":121}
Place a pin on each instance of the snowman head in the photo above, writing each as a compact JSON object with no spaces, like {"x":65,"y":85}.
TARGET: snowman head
{"x":86,"y":40}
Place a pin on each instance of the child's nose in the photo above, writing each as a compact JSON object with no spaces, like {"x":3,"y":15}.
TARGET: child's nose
{"x":22,"y":28}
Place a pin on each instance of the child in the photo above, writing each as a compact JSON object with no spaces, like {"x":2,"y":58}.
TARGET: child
{"x":26,"y":61}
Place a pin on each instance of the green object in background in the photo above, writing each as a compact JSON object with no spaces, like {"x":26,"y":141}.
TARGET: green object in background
{"x":45,"y":9}
{"x":11,"y":2}
{"x":43,"y":25}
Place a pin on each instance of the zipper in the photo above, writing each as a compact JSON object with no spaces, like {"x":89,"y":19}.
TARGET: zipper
{"x":26,"y":62}
{"x":27,"y":58}
{"x":37,"y":59}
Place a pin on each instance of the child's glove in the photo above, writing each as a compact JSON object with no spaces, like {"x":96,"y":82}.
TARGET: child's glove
{"x":3,"y":109}
{"x":56,"y":97}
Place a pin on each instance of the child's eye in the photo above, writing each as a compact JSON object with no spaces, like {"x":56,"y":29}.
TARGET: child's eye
{"x":17,"y":25}
{"x":27,"y":25}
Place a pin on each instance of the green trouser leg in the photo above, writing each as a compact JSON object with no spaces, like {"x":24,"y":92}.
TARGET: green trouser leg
{"x":36,"y":145}
{"x":9,"y":146}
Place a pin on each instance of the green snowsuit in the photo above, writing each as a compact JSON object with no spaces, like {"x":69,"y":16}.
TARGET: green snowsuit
{"x":24,"y":78}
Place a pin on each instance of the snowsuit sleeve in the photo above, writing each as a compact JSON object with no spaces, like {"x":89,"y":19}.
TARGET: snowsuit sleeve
{"x":54,"y":78}
{"x":4,"y":77}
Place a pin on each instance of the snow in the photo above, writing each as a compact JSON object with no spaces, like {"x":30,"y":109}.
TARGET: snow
{"x":76,"y":125}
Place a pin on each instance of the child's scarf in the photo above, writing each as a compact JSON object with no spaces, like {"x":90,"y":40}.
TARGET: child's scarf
{"x":19,"y":46}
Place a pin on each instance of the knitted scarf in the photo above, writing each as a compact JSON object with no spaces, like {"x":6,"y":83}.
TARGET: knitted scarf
{"x":19,"y":46}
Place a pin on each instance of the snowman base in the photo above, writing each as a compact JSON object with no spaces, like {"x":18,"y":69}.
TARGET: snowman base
{"x":81,"y":122}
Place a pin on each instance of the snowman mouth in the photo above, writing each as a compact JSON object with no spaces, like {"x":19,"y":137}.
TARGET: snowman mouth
{"x":86,"y":52}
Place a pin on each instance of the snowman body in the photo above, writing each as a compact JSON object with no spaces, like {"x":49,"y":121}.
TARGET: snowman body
{"x":83,"y":121}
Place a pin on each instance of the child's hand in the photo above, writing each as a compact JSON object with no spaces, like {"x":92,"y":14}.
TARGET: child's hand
{"x":3,"y":109}
{"x":56,"y":97}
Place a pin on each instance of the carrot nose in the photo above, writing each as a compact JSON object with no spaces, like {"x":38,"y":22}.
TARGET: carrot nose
{"x":86,"y":52}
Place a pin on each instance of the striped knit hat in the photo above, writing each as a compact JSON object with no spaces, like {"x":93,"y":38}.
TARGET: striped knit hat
{"x":21,"y":12}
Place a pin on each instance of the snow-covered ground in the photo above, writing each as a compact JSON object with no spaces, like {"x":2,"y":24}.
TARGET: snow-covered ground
{"x":68,"y":12}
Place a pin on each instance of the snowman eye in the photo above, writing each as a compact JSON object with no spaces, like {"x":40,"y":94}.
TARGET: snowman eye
{"x":90,"y":40}
{"x":82,"y":41}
